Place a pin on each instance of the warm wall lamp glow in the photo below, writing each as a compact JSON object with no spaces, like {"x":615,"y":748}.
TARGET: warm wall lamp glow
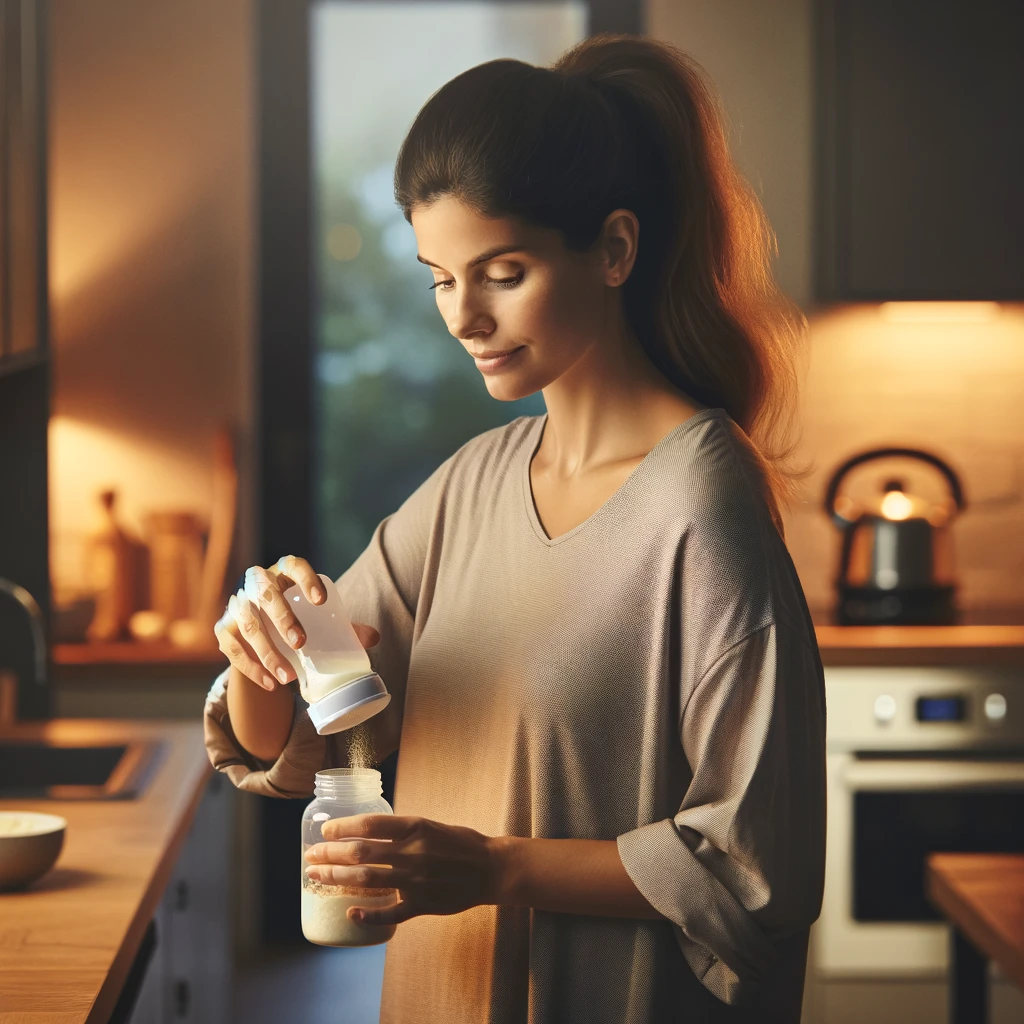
{"x":939,"y":312}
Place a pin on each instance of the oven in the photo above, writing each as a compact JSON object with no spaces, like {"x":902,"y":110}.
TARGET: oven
{"x":918,"y":760}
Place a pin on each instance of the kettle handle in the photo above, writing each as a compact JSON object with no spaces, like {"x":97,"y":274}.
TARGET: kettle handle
{"x":881,"y":453}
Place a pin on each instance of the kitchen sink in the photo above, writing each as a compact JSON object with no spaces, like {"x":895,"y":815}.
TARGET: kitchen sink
{"x":37,"y":769}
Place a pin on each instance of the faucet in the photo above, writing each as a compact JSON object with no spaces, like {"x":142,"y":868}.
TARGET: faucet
{"x":35,"y":618}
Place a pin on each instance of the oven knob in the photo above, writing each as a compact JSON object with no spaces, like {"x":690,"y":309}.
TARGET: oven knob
{"x":885,"y":708}
{"x":995,"y":707}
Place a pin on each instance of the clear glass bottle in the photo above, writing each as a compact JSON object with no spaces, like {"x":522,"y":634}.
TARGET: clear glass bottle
{"x":340,"y":792}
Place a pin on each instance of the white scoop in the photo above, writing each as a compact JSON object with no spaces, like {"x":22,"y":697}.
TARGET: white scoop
{"x":335,"y":676}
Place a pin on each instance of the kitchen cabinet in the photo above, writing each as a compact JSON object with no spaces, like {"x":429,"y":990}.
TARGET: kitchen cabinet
{"x":24,"y":366}
{"x":182,"y":973}
{"x":920,"y":149}
{"x":23,"y":293}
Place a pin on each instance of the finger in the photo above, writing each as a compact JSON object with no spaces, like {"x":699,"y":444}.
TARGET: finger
{"x":251,"y":630}
{"x":395,"y":914}
{"x":269,"y":595}
{"x":360,"y":876}
{"x":239,"y":653}
{"x":368,"y":636}
{"x":376,"y":826}
{"x":301,"y":572}
{"x":356,"y":851}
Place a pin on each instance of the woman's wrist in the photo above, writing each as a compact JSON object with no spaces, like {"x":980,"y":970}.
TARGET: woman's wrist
{"x":505,"y":862}
{"x":570,"y":876}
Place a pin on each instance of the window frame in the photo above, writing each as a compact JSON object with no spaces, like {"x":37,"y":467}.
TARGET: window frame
{"x":286,"y":406}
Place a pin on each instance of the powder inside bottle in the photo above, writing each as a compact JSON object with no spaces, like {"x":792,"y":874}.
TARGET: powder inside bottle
{"x":325,"y":919}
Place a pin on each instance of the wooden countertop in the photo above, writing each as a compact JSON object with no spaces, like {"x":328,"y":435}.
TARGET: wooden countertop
{"x":983,"y":895}
{"x":67,"y":942}
{"x":968,"y":644}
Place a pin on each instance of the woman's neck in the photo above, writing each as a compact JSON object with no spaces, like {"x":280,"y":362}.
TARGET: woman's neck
{"x":610,"y":406}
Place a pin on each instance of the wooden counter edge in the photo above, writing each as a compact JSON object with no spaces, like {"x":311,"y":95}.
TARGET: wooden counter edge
{"x":190,"y":776}
{"x":958,"y":910}
{"x":921,"y":645}
{"x":113,"y":983}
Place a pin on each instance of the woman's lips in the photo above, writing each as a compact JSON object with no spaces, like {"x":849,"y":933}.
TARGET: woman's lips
{"x":491,"y":364}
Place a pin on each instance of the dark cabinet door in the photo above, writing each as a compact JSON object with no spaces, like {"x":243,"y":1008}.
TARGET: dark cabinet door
{"x":23,"y":289}
{"x":24,"y":369}
{"x":921,"y":123}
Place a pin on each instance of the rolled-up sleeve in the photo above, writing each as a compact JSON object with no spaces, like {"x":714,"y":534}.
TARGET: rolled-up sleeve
{"x":739,"y":870}
{"x":384,"y":588}
{"x":290,"y":775}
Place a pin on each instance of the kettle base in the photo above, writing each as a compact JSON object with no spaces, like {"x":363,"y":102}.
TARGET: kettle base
{"x":918,"y":606}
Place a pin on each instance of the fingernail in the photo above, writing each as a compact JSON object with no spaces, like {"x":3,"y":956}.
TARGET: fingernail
{"x":282,"y":675}
{"x":268,"y":683}
{"x":316,"y":594}
{"x":293,"y":636}
{"x":357,"y":915}
{"x":313,"y":873}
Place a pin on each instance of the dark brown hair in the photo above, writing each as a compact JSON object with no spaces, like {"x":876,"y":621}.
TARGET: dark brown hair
{"x":622,"y":121}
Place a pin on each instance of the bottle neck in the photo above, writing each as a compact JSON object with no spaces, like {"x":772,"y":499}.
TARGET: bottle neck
{"x":354,"y":784}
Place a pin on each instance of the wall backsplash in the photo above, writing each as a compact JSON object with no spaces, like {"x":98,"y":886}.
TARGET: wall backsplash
{"x":955,"y":389}
{"x":151,"y":262}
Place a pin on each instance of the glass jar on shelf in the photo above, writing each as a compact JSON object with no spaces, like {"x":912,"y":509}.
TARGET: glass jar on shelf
{"x":340,"y":792}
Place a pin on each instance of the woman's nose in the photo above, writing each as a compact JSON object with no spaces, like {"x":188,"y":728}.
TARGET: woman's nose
{"x":470,"y":320}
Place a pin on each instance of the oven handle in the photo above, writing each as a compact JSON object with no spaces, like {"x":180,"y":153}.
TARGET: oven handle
{"x":932,"y":774}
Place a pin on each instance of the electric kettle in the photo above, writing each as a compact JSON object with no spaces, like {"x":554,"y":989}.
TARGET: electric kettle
{"x":896,"y":560}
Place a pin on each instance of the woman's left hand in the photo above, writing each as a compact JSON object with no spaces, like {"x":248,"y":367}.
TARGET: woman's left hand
{"x":437,"y":868}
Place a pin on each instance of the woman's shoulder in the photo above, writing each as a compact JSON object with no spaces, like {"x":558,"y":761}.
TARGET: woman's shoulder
{"x":733,"y":551}
{"x":491,"y":451}
{"x":704,"y":469}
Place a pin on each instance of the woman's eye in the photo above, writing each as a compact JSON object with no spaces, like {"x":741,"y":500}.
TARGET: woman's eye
{"x":501,"y":282}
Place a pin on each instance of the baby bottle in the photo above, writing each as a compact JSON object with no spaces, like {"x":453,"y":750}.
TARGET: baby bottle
{"x":340,"y":792}
{"x":335,"y":677}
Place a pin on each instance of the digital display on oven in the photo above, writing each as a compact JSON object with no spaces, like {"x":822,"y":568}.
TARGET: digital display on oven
{"x":940,"y":709}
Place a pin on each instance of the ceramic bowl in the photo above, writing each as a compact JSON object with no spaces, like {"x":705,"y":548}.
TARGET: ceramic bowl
{"x":30,"y":843}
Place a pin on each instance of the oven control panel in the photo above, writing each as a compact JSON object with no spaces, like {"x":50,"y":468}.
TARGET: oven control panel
{"x":874,"y":708}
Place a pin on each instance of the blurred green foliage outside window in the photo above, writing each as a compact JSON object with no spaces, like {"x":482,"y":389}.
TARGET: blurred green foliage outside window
{"x":395,"y":393}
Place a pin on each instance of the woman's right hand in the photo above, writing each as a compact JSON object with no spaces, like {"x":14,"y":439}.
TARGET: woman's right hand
{"x":240,"y":632}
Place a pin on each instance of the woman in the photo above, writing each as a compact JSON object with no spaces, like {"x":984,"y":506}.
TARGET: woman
{"x":607,"y":696}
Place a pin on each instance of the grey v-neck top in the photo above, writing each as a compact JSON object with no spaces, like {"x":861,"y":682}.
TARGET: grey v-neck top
{"x":650,"y":677}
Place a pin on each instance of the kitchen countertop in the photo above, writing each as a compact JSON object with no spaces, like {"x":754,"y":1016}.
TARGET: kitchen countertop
{"x":68,"y":941}
{"x":983,"y":895}
{"x":992,"y":636}
{"x":921,"y":645}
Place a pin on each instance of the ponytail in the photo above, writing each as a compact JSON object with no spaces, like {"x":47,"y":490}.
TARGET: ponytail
{"x":621,"y":121}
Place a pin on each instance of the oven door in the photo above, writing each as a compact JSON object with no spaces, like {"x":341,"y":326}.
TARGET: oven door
{"x":886,"y":812}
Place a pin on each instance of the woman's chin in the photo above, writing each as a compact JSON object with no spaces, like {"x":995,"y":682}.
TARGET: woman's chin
{"x":508,"y":388}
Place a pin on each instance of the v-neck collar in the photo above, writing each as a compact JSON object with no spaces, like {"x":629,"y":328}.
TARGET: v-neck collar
{"x":533,"y":443}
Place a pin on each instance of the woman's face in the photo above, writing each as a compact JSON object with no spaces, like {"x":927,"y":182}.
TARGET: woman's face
{"x":526,"y":315}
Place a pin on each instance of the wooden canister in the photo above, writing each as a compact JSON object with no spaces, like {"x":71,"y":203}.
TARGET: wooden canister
{"x":176,"y":545}
{"x":113,"y":561}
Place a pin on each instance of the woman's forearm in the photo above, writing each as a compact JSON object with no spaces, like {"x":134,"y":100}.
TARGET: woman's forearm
{"x":261,"y":719}
{"x":572,"y":876}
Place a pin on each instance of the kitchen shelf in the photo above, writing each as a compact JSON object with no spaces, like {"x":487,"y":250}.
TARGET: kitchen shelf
{"x":11,"y":363}
{"x":157,"y":652}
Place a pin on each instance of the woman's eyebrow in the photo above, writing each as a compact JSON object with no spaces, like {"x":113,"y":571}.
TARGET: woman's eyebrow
{"x":490,"y":254}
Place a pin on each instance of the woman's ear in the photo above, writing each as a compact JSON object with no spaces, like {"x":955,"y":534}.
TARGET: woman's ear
{"x":621,"y":235}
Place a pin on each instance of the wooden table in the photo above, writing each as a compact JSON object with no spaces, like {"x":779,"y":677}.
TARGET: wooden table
{"x":68,"y":941}
{"x":982,"y":896}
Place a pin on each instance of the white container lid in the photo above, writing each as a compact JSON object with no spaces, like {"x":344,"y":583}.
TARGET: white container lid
{"x":349,"y":705}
